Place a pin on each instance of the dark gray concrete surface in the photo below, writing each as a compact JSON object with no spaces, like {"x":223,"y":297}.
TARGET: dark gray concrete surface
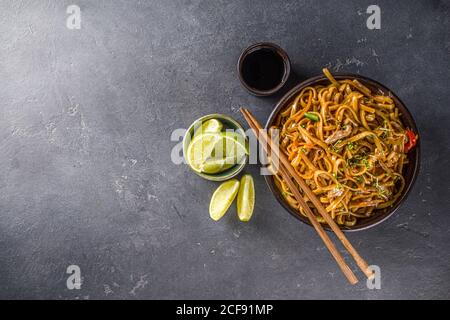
{"x":85,"y":123}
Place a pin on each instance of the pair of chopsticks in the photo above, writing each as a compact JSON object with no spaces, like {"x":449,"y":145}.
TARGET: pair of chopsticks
{"x":287,"y":172}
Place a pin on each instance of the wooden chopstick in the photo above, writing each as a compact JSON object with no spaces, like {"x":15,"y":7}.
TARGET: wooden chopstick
{"x":317,"y":226}
{"x":281,"y":156}
{"x":262,"y":136}
{"x":321,"y":232}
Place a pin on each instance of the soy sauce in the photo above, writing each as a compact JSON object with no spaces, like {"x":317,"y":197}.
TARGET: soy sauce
{"x":263,"y":69}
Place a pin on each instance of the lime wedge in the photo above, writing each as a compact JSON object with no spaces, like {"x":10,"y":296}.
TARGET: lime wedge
{"x":215,"y":165}
{"x":246,"y":198}
{"x":209,"y":126}
{"x":222,"y":198}
{"x":216,"y":152}
{"x":201,"y":148}
{"x":232,"y":146}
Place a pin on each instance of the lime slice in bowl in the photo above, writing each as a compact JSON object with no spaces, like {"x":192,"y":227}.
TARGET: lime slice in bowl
{"x":216,"y":165}
{"x":201,"y":148}
{"x":223,"y":198}
{"x":232,"y":146}
{"x":246,"y":198}
{"x":209,"y":126}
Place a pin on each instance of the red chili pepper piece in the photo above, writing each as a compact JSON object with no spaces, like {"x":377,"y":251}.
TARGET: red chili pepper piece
{"x":411,"y":141}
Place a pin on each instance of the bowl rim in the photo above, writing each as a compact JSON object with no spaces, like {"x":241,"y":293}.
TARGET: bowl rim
{"x":406,"y":113}
{"x":236,"y":169}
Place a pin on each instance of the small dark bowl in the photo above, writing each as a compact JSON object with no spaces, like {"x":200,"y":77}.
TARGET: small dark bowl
{"x":411,"y":169}
{"x":280,"y":52}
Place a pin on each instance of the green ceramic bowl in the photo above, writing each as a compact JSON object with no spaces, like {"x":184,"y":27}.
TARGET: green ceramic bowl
{"x":228,"y":123}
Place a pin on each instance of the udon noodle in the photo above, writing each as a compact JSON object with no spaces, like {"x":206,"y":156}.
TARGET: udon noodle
{"x":348,"y":144}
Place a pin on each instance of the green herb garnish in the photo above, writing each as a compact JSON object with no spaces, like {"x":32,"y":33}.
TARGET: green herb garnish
{"x":366,"y":163}
{"x":351,"y":146}
{"x":311,"y":116}
{"x":335,"y":147}
{"x":381,"y":190}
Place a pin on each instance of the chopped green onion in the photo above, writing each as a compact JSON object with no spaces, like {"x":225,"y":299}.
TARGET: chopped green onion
{"x":350,"y":146}
{"x":335,"y":147}
{"x":311,"y":116}
{"x":381,"y":190}
{"x":366,"y":163}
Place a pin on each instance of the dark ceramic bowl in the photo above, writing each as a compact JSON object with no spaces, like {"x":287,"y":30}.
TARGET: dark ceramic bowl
{"x":411,"y":169}
{"x":264,"y":46}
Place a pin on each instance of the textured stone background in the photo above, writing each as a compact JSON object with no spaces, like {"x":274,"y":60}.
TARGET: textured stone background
{"x":85,"y":123}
